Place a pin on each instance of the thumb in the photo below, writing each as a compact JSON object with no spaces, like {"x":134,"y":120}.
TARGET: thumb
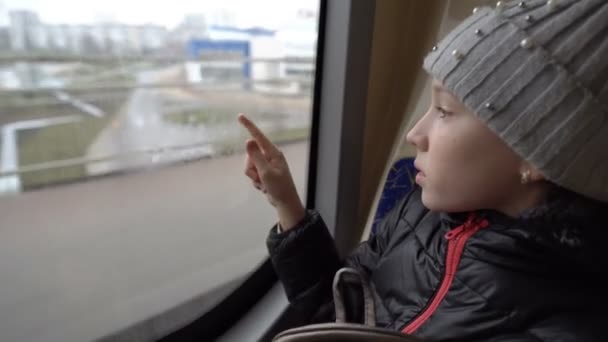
{"x":258,"y":159}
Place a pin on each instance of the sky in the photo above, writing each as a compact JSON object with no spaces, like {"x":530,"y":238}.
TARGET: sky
{"x":266,"y":13}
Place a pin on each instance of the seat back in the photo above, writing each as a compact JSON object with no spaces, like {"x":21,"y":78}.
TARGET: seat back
{"x":399,"y":182}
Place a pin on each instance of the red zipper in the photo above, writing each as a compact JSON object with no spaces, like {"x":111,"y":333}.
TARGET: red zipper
{"x":457,"y":239}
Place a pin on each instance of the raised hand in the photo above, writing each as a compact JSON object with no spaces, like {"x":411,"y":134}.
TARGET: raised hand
{"x":267,"y":168}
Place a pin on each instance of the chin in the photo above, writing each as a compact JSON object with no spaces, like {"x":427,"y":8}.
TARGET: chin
{"x":437,"y":203}
{"x":428,"y":201}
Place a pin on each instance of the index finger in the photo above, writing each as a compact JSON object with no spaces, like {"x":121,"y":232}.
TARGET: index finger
{"x":258,"y":136}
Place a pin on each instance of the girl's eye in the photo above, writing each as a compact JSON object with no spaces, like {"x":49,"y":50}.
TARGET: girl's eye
{"x":442,"y":112}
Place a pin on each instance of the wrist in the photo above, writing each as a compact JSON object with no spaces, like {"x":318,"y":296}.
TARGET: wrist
{"x":290,"y":214}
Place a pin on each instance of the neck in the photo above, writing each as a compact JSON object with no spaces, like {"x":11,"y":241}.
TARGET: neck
{"x":528,"y":196}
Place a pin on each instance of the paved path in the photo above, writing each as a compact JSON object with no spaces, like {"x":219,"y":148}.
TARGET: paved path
{"x":140,"y":126}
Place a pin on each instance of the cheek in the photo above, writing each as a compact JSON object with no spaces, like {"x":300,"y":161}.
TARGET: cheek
{"x":449,"y":173}
{"x":467,"y":171}
{"x":450,"y":158}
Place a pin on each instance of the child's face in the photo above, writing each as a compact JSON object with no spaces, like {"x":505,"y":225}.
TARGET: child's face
{"x":463,"y":165}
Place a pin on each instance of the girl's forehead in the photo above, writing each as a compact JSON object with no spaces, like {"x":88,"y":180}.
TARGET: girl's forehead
{"x":439,"y":89}
{"x":437,"y":86}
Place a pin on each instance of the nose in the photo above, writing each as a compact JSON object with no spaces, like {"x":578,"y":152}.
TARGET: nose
{"x":417,"y":135}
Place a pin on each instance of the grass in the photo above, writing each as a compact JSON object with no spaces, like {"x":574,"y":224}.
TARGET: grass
{"x":200,"y":117}
{"x":212,"y":116}
{"x":234,"y":145}
{"x":21,"y":102}
{"x":230,"y":145}
{"x":117,"y":80}
{"x":289,"y":135}
{"x":59,"y":142}
{"x":72,"y":140}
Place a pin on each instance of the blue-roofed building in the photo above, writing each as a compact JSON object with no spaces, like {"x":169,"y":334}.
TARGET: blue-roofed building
{"x":249,"y":58}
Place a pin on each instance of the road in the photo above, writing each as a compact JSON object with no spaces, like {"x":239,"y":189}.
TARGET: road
{"x":82,"y":261}
{"x":140,"y":126}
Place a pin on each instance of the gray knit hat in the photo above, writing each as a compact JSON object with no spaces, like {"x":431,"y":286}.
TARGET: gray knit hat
{"x":536,"y":72}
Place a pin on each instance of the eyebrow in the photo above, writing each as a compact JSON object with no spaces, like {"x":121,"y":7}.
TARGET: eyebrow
{"x":439,"y":89}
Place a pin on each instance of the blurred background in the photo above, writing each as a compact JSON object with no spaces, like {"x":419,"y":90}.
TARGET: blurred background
{"x":121,"y":174}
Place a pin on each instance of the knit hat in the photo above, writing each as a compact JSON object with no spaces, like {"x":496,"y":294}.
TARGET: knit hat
{"x":536,"y":72}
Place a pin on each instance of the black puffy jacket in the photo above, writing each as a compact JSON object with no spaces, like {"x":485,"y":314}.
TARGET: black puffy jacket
{"x":480,"y":276}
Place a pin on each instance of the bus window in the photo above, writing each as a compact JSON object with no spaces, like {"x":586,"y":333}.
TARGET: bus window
{"x":122,"y":195}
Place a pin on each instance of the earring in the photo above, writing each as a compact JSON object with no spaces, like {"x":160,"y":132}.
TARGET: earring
{"x":525,"y":177}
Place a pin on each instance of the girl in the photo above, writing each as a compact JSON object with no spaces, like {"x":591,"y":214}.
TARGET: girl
{"x":502,"y":238}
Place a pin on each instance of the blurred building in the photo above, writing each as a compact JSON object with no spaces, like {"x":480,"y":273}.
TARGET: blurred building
{"x":24,"y":26}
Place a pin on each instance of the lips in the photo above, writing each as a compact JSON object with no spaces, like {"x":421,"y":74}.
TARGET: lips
{"x":418,"y":168}
{"x":420,"y":176}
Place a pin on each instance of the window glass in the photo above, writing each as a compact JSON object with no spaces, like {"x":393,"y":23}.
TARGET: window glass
{"x":122,"y":193}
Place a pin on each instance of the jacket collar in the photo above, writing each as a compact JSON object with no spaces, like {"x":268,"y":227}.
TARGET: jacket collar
{"x":568,"y":226}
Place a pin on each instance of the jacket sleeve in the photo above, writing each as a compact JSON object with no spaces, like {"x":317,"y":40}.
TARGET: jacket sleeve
{"x":305,"y":259}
